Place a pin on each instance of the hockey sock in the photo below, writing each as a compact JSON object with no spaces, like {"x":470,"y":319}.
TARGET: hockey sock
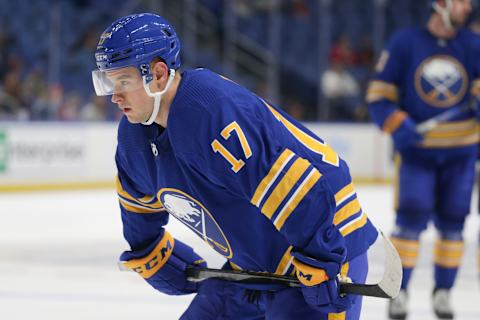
{"x":407,"y":244}
{"x":448,"y":252}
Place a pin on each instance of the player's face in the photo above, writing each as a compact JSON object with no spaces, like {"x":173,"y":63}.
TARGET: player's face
{"x":460,"y":11}
{"x":130,"y":95}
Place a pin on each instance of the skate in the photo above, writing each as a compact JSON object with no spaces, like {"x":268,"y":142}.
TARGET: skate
{"x":441,"y":304}
{"x":397,"y":307}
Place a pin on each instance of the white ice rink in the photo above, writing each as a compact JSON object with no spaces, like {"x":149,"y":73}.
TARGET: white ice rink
{"x":58,"y":253}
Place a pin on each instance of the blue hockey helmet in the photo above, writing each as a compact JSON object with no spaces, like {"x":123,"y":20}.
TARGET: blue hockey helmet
{"x":137,"y":39}
{"x":134,"y":41}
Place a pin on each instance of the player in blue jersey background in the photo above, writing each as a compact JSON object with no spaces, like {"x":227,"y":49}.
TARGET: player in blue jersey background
{"x":253,"y":183}
{"x":423,"y":72}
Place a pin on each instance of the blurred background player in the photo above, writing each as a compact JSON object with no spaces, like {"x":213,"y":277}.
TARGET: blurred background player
{"x":252,"y":182}
{"x":423,"y":72}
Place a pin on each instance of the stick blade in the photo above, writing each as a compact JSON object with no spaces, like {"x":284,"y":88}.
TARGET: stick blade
{"x":389,"y":285}
{"x":392,"y":277}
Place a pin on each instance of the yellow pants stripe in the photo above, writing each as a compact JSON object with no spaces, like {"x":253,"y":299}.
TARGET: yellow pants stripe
{"x":407,"y":250}
{"x":448,"y":254}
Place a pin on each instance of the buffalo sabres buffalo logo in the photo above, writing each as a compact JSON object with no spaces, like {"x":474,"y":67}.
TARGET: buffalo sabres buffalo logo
{"x":441,"y":81}
{"x":195,"y":216}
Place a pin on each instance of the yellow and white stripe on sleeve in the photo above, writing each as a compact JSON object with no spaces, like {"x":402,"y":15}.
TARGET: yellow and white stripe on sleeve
{"x":284,"y":186}
{"x":146,"y":204}
{"x":348,"y":209}
{"x":379,"y":90}
{"x":285,"y":263}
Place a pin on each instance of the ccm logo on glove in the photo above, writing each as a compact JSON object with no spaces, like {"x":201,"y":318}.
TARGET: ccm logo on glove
{"x":150,"y":264}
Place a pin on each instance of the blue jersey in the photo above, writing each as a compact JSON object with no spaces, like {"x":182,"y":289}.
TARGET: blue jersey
{"x":250,"y":181}
{"x":425,"y":76}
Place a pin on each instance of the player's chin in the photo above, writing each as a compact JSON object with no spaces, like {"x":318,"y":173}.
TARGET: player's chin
{"x":458,"y":23}
{"x":132,"y":118}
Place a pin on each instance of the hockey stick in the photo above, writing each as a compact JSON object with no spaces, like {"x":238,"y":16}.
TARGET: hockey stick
{"x":431,"y":123}
{"x":388,"y":287}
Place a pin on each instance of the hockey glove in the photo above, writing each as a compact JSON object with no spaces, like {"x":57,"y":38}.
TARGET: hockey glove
{"x":320,"y":286}
{"x":163,"y":265}
{"x":406,"y":135}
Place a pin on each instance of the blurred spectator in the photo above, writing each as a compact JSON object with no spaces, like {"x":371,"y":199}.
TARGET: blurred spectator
{"x":341,"y":91}
{"x":81,"y":61}
{"x":6,"y":41}
{"x":340,"y":88}
{"x":252,"y":18}
{"x":298,"y":8}
{"x":248,"y":8}
{"x":70,"y":109}
{"x":42,"y":109}
{"x":11,"y":108}
{"x":363,"y":73}
{"x":33,"y":86}
{"x":341,"y":52}
{"x":47,"y":104}
{"x":299,"y":20}
{"x":99,"y":109}
{"x":296,"y":109}
{"x":365,"y":54}
{"x":12,"y":104}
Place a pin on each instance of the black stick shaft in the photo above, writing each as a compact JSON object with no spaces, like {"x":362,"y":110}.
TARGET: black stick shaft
{"x":250,"y":277}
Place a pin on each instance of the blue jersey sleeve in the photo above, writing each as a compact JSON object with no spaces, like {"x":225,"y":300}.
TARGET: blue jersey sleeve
{"x":384,"y":90}
{"x":239,"y":142}
{"x":143,"y":216}
{"x":475,"y":86}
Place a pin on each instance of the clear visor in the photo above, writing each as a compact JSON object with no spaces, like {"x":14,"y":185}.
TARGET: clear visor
{"x":116,"y":81}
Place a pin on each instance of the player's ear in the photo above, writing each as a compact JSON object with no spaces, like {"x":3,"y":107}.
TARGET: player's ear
{"x":159,"y":70}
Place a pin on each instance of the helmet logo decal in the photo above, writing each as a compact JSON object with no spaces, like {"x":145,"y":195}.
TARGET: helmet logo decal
{"x":144,"y":69}
{"x":441,"y":81}
{"x":101,"y":57}
{"x":196,"y":217}
{"x":103,"y":37}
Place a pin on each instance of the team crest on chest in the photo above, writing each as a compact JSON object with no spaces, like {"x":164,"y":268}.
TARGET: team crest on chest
{"x":441,"y":81}
{"x":196,"y":217}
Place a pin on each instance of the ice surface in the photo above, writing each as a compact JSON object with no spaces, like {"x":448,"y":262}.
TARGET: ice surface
{"x":58,"y":255}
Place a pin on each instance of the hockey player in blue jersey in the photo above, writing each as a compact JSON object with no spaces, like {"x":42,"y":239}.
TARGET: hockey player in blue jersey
{"x":422,"y":73}
{"x":253,"y":183}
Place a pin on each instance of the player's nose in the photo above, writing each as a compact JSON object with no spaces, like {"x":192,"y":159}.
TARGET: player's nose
{"x":116,"y":98}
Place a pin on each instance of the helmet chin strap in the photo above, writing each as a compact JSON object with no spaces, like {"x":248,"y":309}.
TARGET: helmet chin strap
{"x":157,"y":96}
{"x":444,"y":13}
